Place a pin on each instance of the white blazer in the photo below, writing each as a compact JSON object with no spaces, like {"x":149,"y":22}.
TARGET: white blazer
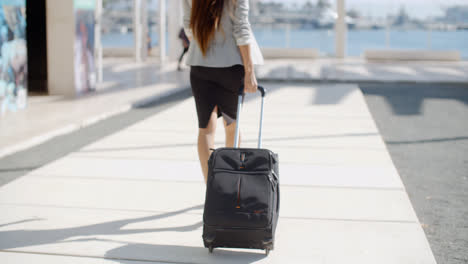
{"x":235,"y":31}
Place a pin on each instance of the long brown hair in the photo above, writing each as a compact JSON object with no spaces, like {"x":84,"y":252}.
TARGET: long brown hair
{"x":205,"y":20}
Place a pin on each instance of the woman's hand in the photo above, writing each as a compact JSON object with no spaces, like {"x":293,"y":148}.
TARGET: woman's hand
{"x":250,"y":81}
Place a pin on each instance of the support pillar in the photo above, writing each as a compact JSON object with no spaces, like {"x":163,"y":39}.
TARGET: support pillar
{"x":175,"y":22}
{"x":144,"y":29}
{"x":71,"y":67}
{"x":340,"y":29}
{"x":98,"y":41}
{"x":162,"y":30}
{"x":137,"y":30}
{"x":60,"y":21}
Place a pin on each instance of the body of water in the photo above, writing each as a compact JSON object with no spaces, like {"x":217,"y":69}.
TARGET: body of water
{"x":324,"y":40}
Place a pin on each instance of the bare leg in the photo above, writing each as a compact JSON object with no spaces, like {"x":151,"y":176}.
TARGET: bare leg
{"x":230,"y":131}
{"x":206,"y":137}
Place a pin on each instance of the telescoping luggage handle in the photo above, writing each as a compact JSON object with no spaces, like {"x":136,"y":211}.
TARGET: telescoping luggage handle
{"x":239,"y":105}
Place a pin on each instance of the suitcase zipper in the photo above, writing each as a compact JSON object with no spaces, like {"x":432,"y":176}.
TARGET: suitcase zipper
{"x":241,"y":171}
{"x":271,"y":175}
{"x":238,"y":192}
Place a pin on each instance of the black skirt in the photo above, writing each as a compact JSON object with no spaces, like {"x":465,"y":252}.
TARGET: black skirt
{"x":214,"y":86}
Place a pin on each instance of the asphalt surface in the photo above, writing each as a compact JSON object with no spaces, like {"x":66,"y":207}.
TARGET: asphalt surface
{"x":425,"y":127}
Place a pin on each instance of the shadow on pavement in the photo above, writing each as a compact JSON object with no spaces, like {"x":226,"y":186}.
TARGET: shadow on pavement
{"x":130,"y":251}
{"x":408,"y":99}
{"x":424,"y":141}
{"x":21,"y":163}
{"x":184,"y":254}
{"x":124,"y":75}
{"x":275,"y":139}
{"x":11,"y":239}
{"x":20,"y":222}
{"x":332,"y":94}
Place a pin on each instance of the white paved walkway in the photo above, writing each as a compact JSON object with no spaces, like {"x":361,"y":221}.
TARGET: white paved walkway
{"x":137,"y":196}
{"x":360,"y":70}
{"x":125,"y":85}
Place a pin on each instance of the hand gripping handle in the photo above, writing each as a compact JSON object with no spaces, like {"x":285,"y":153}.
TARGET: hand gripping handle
{"x":239,"y":106}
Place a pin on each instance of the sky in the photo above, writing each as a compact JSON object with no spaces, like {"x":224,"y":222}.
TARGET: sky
{"x":380,"y":8}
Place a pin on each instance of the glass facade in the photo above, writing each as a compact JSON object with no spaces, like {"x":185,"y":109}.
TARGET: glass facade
{"x":13,"y":56}
{"x":118,"y":31}
{"x":117,"y":24}
{"x":84,"y":61}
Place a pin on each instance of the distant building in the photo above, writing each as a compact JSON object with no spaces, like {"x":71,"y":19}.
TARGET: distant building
{"x":402,"y":18}
{"x":456,"y":15}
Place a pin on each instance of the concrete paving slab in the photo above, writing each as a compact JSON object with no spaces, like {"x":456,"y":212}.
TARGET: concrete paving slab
{"x":290,"y":174}
{"x":321,"y":131}
{"x":177,"y":239}
{"x":356,"y":69}
{"x":348,"y":132}
{"x":130,"y":140}
{"x":342,"y":199}
{"x":117,"y":194}
{"x":340,"y":176}
{"x":289,"y":154}
{"x":18,"y":257}
{"x":44,"y":119}
{"x":266,"y":71}
{"x":333,"y":122}
{"x":122,"y":169}
{"x":301,"y":202}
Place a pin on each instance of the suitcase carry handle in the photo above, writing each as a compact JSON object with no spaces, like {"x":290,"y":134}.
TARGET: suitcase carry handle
{"x":239,"y":106}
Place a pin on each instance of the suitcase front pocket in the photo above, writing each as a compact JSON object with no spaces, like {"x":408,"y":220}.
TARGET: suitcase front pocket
{"x":239,"y":199}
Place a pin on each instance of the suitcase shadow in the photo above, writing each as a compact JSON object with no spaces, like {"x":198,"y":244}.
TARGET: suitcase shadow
{"x":126,"y":251}
{"x":21,"y":237}
{"x":180,"y":254}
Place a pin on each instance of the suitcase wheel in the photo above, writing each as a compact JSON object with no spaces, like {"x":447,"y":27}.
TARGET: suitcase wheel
{"x":210,"y":249}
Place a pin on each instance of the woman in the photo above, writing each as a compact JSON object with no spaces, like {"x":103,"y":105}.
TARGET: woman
{"x":221,"y":58}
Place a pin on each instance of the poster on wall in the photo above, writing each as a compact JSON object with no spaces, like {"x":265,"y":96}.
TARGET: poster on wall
{"x":13,"y":56}
{"x":85,"y":70}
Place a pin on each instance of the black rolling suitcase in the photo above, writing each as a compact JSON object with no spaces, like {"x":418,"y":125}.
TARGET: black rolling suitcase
{"x":242,"y":195}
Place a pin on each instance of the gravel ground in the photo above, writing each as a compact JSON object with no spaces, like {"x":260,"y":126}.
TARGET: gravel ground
{"x":425,"y":127}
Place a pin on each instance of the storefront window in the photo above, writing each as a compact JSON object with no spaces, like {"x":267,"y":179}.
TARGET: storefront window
{"x":117,"y":24}
{"x":13,"y":56}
